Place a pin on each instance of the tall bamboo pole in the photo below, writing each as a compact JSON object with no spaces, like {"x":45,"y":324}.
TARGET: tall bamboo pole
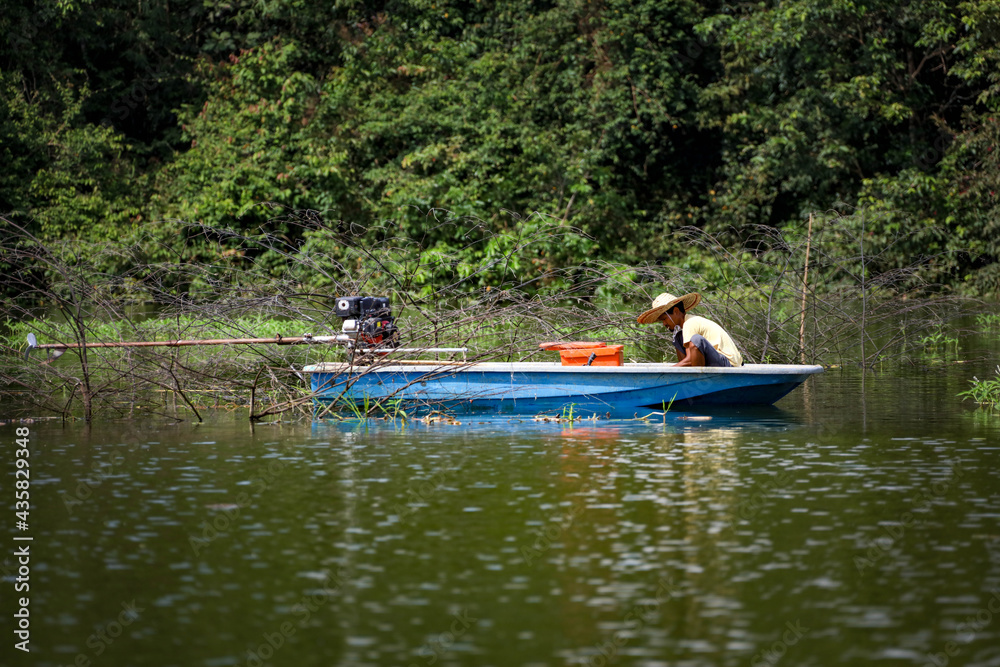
{"x":805,"y":290}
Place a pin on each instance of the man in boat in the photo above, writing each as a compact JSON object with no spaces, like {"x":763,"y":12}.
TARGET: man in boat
{"x":698,"y":341}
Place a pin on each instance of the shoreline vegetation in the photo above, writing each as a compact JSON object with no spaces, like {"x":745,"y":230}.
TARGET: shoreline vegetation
{"x":825,"y":173}
{"x":828,"y":298}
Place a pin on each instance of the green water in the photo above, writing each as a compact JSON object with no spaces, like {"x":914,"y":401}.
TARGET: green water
{"x":855,"y":523}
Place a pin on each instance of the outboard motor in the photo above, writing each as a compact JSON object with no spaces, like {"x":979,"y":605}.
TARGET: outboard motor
{"x":368,"y":319}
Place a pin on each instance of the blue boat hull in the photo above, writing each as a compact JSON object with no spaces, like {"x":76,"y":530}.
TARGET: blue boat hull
{"x":533,"y":388}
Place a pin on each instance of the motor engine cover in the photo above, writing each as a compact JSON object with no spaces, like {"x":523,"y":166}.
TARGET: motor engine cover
{"x":370,"y":318}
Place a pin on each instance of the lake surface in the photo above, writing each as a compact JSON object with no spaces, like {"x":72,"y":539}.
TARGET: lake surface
{"x":858,"y":522}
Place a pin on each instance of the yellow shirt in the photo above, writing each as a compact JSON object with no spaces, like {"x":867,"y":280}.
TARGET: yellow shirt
{"x":715,"y":335}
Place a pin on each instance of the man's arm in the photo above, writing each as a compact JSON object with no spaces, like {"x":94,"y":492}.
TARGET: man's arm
{"x":679,"y":344}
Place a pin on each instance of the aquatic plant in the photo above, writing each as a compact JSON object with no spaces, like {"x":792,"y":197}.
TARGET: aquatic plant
{"x":939,"y":340}
{"x":988,"y":320}
{"x":984,"y":392}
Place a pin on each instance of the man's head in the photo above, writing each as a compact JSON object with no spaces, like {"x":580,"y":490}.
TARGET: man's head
{"x":670,"y":309}
{"x":674,"y":317}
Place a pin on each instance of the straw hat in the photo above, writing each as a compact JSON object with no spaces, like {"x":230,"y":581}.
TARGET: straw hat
{"x":665,"y":302}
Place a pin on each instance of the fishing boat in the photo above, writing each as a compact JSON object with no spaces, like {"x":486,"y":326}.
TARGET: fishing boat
{"x":590,"y":379}
{"x":621,"y":391}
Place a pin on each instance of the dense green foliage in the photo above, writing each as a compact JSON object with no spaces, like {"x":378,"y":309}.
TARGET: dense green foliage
{"x":445,"y":122}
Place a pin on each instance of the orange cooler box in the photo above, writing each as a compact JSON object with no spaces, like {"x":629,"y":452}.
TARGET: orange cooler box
{"x":603,"y":356}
